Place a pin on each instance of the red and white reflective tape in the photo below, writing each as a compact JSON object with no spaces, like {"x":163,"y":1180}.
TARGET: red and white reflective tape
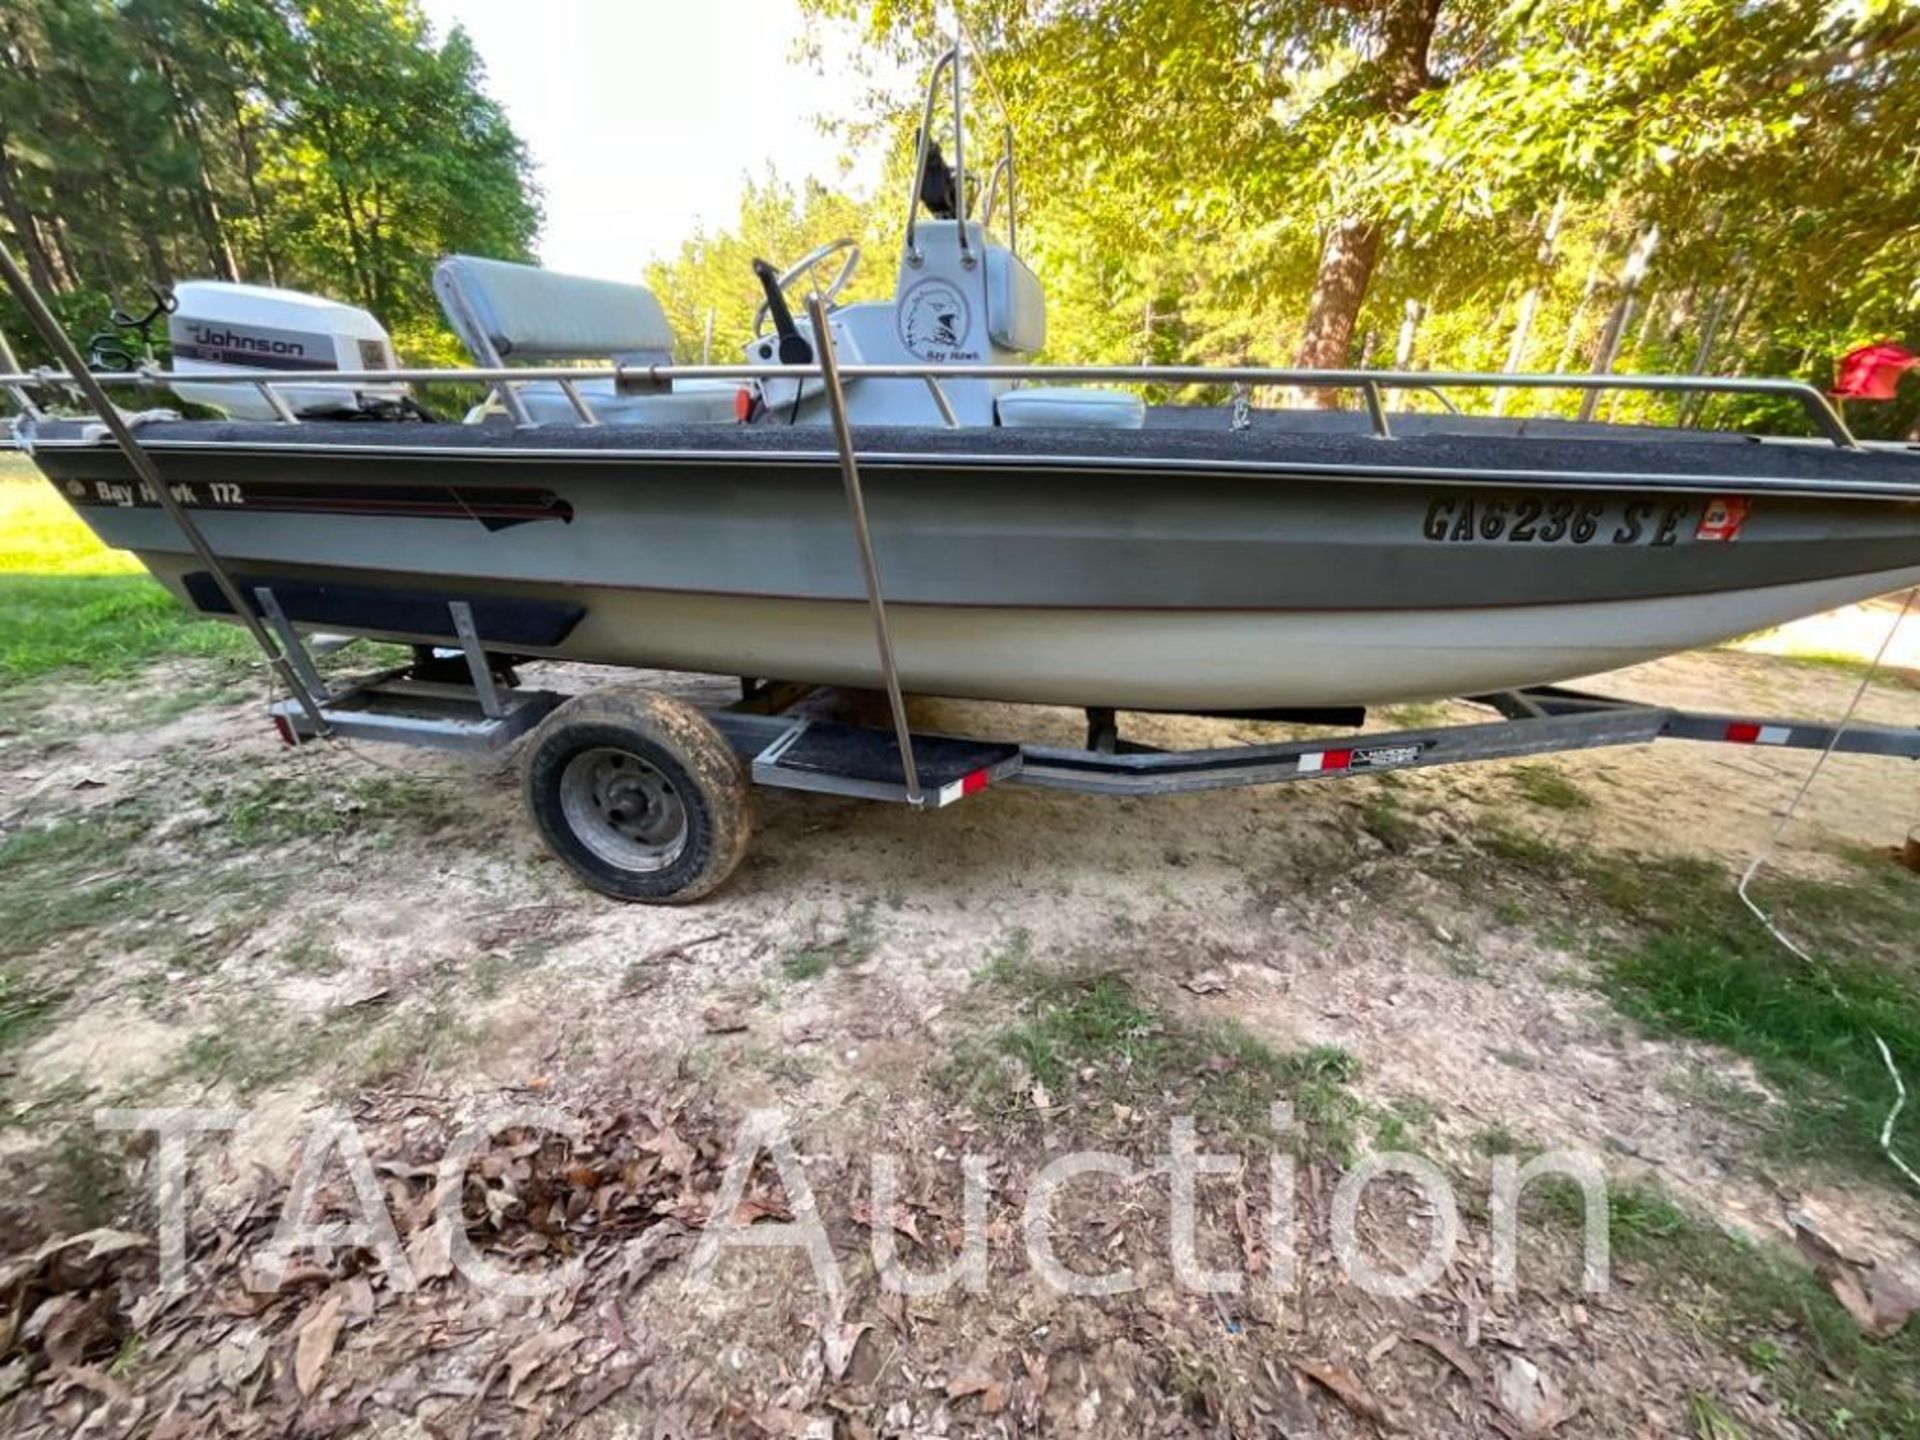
{"x":1321,"y":761}
{"x":959,"y":789}
{"x":1746,"y":732}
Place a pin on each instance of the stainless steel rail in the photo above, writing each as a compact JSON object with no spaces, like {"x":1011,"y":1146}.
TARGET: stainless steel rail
{"x":955,"y":58}
{"x":863,"y":537}
{"x":1819,"y":410}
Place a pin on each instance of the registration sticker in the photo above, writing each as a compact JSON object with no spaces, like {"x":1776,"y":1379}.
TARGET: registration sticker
{"x":1725,"y":515}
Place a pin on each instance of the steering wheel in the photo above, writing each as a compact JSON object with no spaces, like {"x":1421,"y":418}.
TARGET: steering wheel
{"x":810,"y":262}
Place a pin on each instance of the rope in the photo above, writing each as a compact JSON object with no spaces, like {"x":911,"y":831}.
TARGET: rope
{"x":1766,"y":854}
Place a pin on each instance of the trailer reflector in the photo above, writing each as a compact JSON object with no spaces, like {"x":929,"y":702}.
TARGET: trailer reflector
{"x":1745,"y":732}
{"x":971,"y":783}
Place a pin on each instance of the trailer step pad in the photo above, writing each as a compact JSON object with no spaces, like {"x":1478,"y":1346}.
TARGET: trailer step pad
{"x":856,"y":760}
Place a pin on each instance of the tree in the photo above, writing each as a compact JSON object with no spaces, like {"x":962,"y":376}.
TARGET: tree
{"x":712,"y":276}
{"x":338,"y":147}
{"x":1288,"y":181}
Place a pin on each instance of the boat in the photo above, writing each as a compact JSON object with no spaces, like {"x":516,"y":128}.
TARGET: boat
{"x":1040,"y":533}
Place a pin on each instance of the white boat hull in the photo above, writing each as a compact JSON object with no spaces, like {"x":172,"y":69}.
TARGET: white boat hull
{"x":1166,"y":660}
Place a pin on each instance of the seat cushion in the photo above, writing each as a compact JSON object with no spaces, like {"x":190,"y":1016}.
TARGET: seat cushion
{"x":1071,"y":406}
{"x":690,"y":402}
{"x":527,"y":313}
{"x":1016,"y":304}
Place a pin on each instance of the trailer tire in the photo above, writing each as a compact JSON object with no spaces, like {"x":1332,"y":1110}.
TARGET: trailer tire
{"x":639,"y":794}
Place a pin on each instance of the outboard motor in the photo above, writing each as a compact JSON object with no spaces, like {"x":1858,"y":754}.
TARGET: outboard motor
{"x":219,"y":328}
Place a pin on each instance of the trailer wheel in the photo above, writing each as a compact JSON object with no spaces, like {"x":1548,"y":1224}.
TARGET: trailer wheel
{"x":639,"y":794}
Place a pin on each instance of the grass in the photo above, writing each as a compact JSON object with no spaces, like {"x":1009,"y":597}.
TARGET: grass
{"x":1685,"y":957}
{"x":26,"y":1009}
{"x":282,"y":809}
{"x":1549,"y":788}
{"x":67,"y":603}
{"x":852,"y":946}
{"x":56,"y":879}
{"x":1417,"y":716}
{"x":1758,"y":1302}
{"x":1090,"y":1041}
{"x":1382,"y":818}
{"x":1854,"y":667}
{"x":1764,"y":1306}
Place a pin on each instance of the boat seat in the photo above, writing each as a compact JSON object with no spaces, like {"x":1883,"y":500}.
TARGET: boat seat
{"x":689,"y":402}
{"x":1086,"y":409}
{"x":502,"y":311}
{"x":1016,"y":303}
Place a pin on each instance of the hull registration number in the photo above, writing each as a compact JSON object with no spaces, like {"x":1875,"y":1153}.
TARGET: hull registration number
{"x":1555,"y":520}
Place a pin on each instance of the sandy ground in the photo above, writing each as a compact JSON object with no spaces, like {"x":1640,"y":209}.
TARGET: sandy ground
{"x":433,"y":947}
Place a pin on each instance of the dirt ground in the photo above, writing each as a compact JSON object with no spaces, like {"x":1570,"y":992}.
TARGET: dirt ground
{"x":355,"y":927}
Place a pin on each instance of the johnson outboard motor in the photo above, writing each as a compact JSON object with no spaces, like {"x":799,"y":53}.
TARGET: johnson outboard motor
{"x":218,"y":328}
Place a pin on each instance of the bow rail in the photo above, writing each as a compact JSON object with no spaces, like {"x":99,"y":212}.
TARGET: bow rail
{"x":1371,"y":385}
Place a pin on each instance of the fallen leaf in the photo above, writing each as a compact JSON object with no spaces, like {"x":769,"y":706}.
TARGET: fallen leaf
{"x":1345,"y":1387}
{"x":1451,"y":1351}
{"x":749,"y":1211}
{"x":900,"y":1219}
{"x":837,"y":1344}
{"x":977,"y":1382}
{"x":428,"y":1255}
{"x":786,"y":1423}
{"x":314,"y":1347}
{"x":1250,"y":1244}
{"x":1529,"y":1395}
{"x":530,"y":1354}
{"x":1878,"y":1302}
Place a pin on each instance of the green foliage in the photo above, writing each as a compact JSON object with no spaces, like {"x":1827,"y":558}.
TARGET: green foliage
{"x":1183,"y":162}
{"x":337,"y":147}
{"x":712,"y":276}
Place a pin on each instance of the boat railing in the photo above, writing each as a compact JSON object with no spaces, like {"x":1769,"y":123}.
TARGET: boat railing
{"x":1372,"y":386}
{"x":953,"y":64}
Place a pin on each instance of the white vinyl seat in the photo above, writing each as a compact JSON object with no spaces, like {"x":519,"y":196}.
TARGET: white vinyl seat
{"x":1071,"y":407}
{"x":502,"y":311}
{"x":689,"y":402}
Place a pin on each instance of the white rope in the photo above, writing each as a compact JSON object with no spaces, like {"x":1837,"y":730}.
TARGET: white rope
{"x":1759,"y":861}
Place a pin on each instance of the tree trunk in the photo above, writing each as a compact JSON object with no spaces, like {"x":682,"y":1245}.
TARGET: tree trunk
{"x":1530,"y":303}
{"x":1352,"y":247}
{"x":250,"y":171}
{"x":1614,"y":331}
{"x":350,"y":218}
{"x":27,"y":234}
{"x":205,"y":205}
{"x":67,"y":262}
{"x":1346,"y":269}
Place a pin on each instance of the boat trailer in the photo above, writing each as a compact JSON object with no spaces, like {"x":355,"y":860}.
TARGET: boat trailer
{"x":644,"y":796}
{"x":785,"y":747}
